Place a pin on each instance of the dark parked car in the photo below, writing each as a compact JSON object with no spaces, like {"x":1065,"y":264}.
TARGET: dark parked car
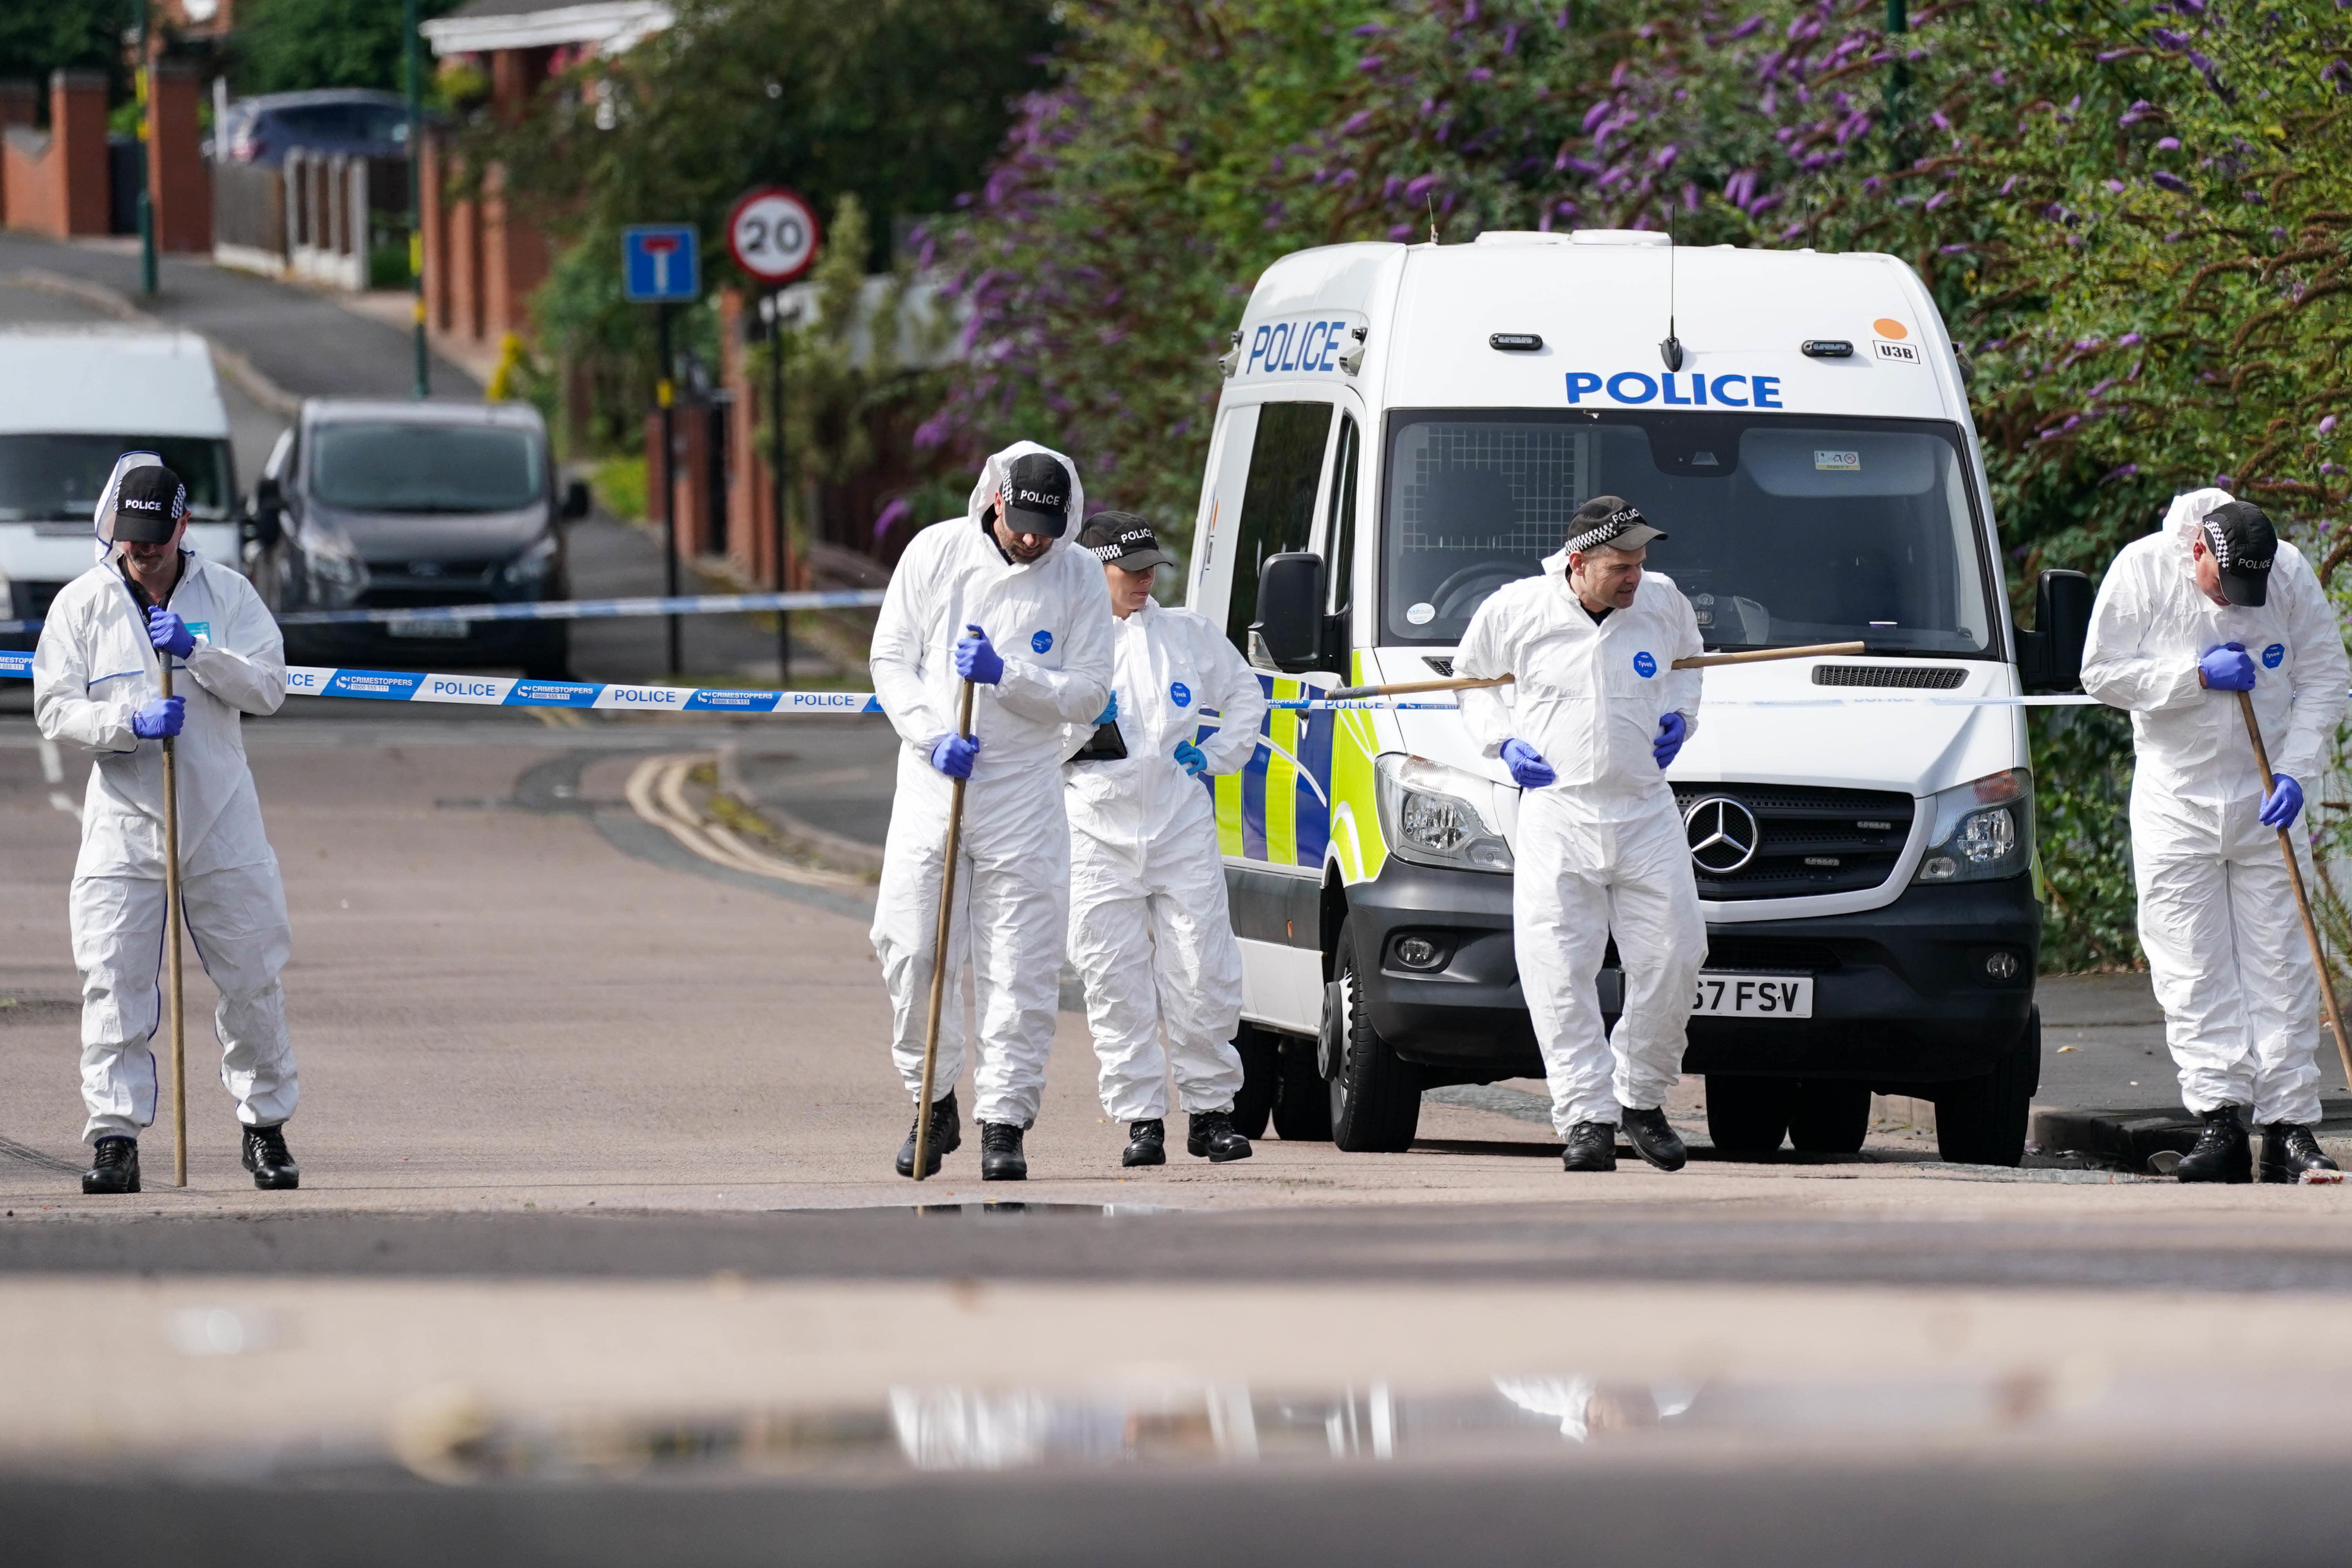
{"x":353,"y":120}
{"x":395,"y":506}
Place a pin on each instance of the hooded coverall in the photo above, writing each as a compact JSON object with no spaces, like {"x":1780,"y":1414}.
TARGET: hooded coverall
{"x":96,"y":668}
{"x":1150,"y":932}
{"x":1602,"y":850}
{"x":1051,"y":622}
{"x":2217,"y":914}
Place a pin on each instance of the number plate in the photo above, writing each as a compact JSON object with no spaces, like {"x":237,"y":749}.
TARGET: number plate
{"x":1754,"y":996}
{"x":424,"y":626}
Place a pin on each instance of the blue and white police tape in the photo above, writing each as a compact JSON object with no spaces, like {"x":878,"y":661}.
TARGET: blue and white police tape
{"x":505,"y":691}
{"x":568,"y":609}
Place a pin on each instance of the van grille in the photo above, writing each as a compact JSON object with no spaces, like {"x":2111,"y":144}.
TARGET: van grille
{"x":1808,"y":841}
{"x":1916,"y":678}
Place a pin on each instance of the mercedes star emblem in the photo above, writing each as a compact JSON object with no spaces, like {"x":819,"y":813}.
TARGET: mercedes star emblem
{"x":1722,"y":833}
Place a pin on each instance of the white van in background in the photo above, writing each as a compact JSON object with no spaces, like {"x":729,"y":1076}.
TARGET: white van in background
{"x":1403,"y":429}
{"x":72,"y":400}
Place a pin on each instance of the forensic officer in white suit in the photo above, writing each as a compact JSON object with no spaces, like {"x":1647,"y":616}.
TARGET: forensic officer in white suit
{"x":1587,"y":729}
{"x":96,"y":682}
{"x":1150,"y":932}
{"x":1001,"y":596}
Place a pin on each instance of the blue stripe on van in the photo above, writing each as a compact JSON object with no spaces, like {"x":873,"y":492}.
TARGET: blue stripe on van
{"x":1314,"y":831}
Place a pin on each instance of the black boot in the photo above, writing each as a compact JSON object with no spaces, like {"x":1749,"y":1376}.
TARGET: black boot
{"x":267,"y":1156}
{"x":113,"y":1166}
{"x":2288,"y":1150}
{"x":2222,"y":1153}
{"x":1211,"y":1133}
{"x":1655,"y":1138}
{"x":947,"y":1135}
{"x":1001,"y":1159}
{"x":1591,"y":1146}
{"x":1147,"y":1143}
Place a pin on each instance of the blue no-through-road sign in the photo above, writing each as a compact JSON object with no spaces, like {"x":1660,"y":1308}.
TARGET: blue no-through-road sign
{"x":660,"y":263}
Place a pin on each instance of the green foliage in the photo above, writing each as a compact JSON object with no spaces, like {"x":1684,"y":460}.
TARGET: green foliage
{"x":619,"y":486}
{"x":37,"y":36}
{"x":2082,"y":796}
{"x":897,"y":101}
{"x":284,"y":45}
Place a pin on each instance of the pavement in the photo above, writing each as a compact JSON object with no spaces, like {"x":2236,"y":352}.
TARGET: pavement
{"x":598,"y":1258}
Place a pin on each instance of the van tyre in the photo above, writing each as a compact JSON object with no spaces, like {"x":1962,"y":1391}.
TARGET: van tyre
{"x":1982,"y":1121}
{"x":1747,"y":1115}
{"x":1829,"y":1116}
{"x":1261,"y":1054}
{"x":1375,"y":1093}
{"x":1302,"y":1112}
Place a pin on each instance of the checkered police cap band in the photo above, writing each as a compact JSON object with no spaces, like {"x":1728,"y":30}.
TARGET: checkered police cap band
{"x":2217,"y":539}
{"x":1608,"y":528}
{"x":1127,"y":543}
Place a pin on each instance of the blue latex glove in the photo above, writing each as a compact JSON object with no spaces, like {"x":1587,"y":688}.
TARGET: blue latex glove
{"x":166,"y":715}
{"x":1111,"y":713}
{"x":1188,"y":758}
{"x":952,"y":754}
{"x":1529,"y":770}
{"x":2283,"y":804}
{"x":168,"y":632}
{"x":975,"y":660}
{"x":1672,"y":730}
{"x":2226,"y":668}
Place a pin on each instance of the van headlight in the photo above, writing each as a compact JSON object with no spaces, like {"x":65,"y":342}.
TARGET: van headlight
{"x":1981,"y":830}
{"x":331,"y":566}
{"x":528,"y":570}
{"x":1431,"y":815}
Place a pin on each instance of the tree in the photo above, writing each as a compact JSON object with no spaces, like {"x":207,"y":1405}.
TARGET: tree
{"x":62,"y":35}
{"x":287,"y":45}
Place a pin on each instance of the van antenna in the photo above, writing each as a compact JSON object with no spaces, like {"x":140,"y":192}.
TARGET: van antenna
{"x":1432,"y":218}
{"x":1671,"y":349}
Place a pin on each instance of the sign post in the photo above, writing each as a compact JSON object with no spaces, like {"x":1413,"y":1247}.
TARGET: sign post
{"x":661,"y":266}
{"x":773,"y":234}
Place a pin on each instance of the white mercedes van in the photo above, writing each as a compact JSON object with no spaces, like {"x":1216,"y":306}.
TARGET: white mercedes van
{"x":1405,"y":428}
{"x":72,"y":400}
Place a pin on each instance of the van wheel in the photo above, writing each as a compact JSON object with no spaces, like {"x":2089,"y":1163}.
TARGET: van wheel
{"x":1829,"y":1116}
{"x":1261,"y":1054}
{"x":1982,"y":1121}
{"x":1747,"y":1115}
{"x":1375,"y":1094}
{"x":1302,"y":1110}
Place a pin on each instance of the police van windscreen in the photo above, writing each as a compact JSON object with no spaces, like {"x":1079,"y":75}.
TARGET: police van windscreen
{"x":1782,"y":529}
{"x":50,"y":478}
{"x":399,"y":466}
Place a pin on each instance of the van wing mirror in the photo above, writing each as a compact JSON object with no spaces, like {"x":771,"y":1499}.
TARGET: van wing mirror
{"x":1289,"y":625}
{"x":575,"y":500}
{"x":2050,"y":657}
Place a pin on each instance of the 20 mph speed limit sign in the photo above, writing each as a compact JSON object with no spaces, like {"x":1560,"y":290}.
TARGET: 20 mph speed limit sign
{"x":774,"y":234}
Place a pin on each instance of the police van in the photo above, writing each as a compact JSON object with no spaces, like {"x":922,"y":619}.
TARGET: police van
{"x":1402,"y":430}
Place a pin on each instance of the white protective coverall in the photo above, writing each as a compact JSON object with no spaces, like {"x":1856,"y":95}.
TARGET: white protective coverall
{"x":2217,"y":915}
{"x":1150,"y":932}
{"x":1051,"y":622}
{"x":95,"y":669}
{"x":1602,"y":850}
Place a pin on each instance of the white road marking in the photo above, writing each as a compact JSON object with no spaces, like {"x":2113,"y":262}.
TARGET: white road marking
{"x":657,"y":793}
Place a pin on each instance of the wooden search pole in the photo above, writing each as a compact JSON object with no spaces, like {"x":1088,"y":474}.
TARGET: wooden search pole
{"x":172,"y":944}
{"x":1697,"y":662}
{"x":2302,"y":895}
{"x":939,"y":953}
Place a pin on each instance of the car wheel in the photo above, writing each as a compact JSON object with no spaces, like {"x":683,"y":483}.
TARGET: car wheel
{"x":1302,"y":1112}
{"x":1261,"y":1054}
{"x":1375,"y":1094}
{"x":1982,"y":1121}
{"x":1829,"y":1116}
{"x":1747,"y":1115}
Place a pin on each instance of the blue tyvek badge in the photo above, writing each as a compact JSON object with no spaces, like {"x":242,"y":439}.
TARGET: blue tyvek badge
{"x":1180,"y":694}
{"x":201,"y":630}
{"x":2274,"y":655}
{"x":1644,"y":666}
{"x":1042,"y":641}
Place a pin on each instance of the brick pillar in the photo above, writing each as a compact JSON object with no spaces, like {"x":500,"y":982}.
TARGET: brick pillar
{"x":77,"y":152}
{"x":177,"y":180}
{"x":435,"y":224}
{"x":514,"y":261}
{"x":748,"y":485}
{"x":694,"y":421}
{"x":464,"y":250}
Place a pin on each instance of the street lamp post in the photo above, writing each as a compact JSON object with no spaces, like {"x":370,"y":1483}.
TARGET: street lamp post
{"x":415,"y":186}
{"x":142,"y":87}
